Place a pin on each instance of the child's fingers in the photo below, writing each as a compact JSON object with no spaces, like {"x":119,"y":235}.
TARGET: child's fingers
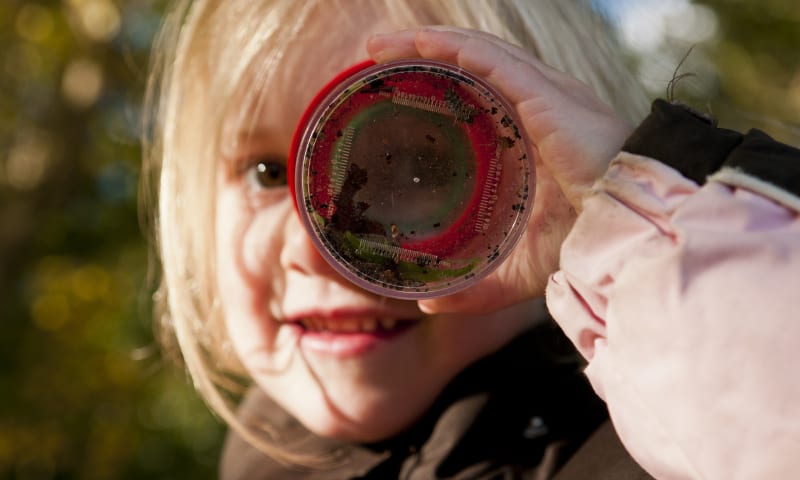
{"x":515,"y":52}
{"x":403,"y":44}
{"x":573,"y":132}
{"x":519,"y":78}
{"x":393,"y":46}
{"x":488,"y":295}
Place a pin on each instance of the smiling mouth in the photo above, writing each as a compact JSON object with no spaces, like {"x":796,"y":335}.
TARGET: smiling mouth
{"x":354,"y":325}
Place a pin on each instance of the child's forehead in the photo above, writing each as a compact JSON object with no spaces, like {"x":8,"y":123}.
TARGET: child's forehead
{"x":325,"y":46}
{"x":278,"y":104}
{"x":307,"y":63}
{"x":290,"y":67}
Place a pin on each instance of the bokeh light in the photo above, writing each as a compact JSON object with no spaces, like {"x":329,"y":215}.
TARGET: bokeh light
{"x":82,"y":82}
{"x":99,"y":20}
{"x":27,"y":160}
{"x":78,"y":362}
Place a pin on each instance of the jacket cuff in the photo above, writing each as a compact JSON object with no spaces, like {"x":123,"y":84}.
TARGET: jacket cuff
{"x":693,"y":145}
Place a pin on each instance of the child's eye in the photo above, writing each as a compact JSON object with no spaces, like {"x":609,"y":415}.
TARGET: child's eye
{"x":268,"y":173}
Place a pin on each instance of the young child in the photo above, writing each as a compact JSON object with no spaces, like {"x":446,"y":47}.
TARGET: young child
{"x":345,"y":383}
{"x":388,"y":387}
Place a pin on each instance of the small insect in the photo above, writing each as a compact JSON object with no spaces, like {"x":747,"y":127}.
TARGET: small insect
{"x":506,"y":142}
{"x":461,"y":110}
{"x":395,"y":231}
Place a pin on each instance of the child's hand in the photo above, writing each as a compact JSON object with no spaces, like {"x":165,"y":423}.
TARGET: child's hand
{"x":574,"y":136}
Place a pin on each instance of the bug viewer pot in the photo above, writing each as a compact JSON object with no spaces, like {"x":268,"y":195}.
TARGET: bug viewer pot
{"x":413,"y":178}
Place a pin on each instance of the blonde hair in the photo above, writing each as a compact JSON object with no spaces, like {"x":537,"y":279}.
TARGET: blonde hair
{"x":204,"y":51}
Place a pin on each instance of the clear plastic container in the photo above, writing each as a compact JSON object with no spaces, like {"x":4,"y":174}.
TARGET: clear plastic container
{"x":414,"y":178}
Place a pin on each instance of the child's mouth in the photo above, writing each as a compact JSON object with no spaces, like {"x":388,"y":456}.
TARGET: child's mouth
{"x":353,"y":325}
{"x":349,"y":337}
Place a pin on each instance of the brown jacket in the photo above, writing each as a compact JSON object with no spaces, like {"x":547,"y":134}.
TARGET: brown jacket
{"x":521,"y":413}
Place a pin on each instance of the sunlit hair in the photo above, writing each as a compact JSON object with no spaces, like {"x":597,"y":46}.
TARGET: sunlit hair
{"x":208,"y":53}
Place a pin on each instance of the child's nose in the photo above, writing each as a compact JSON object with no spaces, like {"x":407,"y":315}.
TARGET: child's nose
{"x":299,"y":252}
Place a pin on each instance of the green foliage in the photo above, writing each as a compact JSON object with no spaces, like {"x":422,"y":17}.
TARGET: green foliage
{"x":758,"y":62}
{"x":86,"y":393}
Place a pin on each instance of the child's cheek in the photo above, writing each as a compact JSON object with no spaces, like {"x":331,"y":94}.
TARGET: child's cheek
{"x":248,"y":245}
{"x":236,"y":252}
{"x":261,"y":243}
{"x":249,"y":241}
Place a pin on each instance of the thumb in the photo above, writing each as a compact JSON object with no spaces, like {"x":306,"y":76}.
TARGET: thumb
{"x":488,"y":295}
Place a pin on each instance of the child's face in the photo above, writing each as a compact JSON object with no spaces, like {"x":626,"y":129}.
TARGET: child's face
{"x":346,"y":363}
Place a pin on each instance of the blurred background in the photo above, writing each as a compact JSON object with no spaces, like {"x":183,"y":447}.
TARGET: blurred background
{"x":85,"y":393}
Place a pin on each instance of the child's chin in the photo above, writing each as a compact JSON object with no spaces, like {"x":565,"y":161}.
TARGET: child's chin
{"x":372,"y":424}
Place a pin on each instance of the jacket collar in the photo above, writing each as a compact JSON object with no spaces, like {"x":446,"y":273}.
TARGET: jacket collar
{"x":512,"y":408}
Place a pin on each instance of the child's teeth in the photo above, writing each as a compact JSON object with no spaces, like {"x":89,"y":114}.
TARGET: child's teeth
{"x":388,"y":323}
{"x":354,"y":325}
{"x":349,"y":326}
{"x":369,"y":325}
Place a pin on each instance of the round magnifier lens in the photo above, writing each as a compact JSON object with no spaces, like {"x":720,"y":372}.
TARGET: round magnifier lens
{"x":413,"y":178}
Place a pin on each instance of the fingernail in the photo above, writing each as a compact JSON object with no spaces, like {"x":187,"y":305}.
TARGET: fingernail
{"x":425,"y":307}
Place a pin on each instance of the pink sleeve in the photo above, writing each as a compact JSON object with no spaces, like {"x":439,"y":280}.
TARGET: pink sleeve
{"x":686,"y":302}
